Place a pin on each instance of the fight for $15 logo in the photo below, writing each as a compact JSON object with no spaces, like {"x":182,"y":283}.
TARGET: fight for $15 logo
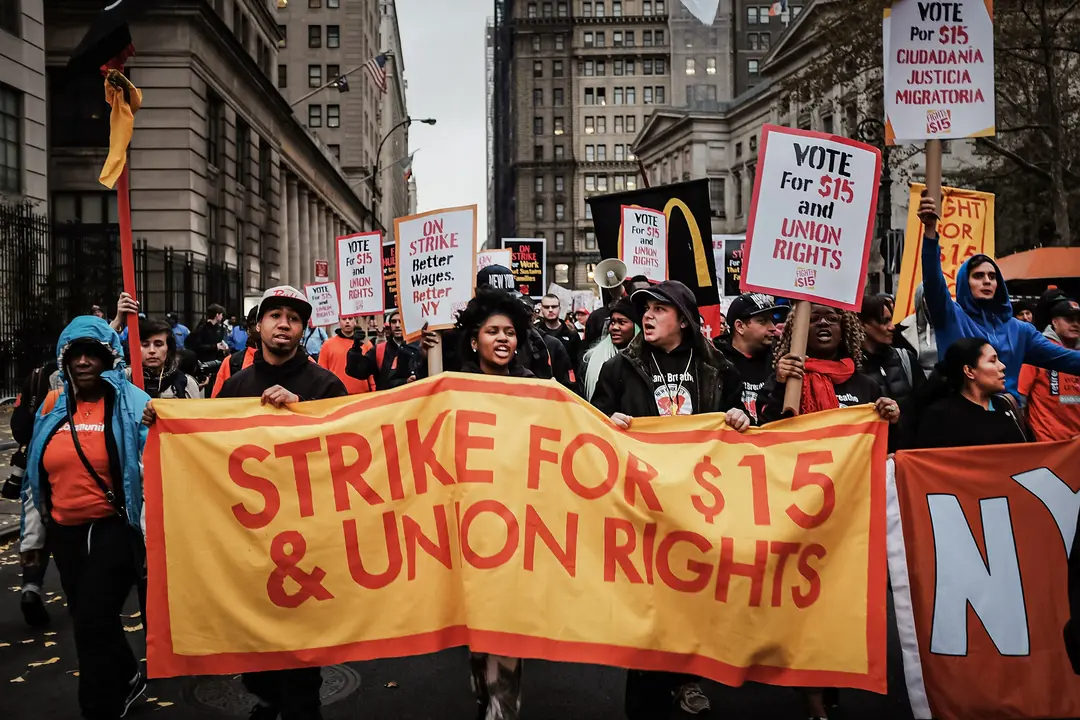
{"x":805,"y":278}
{"x":938,"y":121}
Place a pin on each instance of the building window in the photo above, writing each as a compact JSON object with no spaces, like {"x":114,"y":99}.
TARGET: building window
{"x":560,"y":211}
{"x":620,"y":183}
{"x":333,"y":36}
{"x":753,"y":143}
{"x":560,"y":241}
{"x":538,"y":184}
{"x":736,"y":181}
{"x":564,"y":10}
{"x":336,"y":151}
{"x":283,"y":31}
{"x":557,"y":68}
{"x":660,"y":99}
{"x":531,"y":10}
{"x":536,"y":43}
{"x":617,"y":97}
{"x":589,"y":39}
{"x":549,"y":11}
{"x":752,"y":67}
{"x":265,"y":170}
{"x":660,"y":67}
{"x":710,"y":66}
{"x":631,"y":124}
{"x":646,"y":8}
{"x":560,"y":184}
{"x":601,"y":125}
{"x":333,"y":116}
{"x":601,"y":153}
{"x":538,"y":126}
{"x":590,"y":238}
{"x":617,"y":67}
{"x":753,"y":41}
{"x":559,"y":128}
{"x":646,"y":38}
{"x":314,"y":36}
{"x":314,"y":76}
{"x":538,"y":97}
{"x":631,"y":98}
{"x":646,"y":67}
{"x":590,"y":183}
{"x":600,"y":41}
{"x":314,"y":116}
{"x":620,"y":153}
{"x":629,"y":38}
{"x":314,"y":3}
{"x":630,"y":67}
{"x":616,"y":38}
{"x":538,"y":152}
{"x":827,"y":124}
{"x":616,"y":8}
{"x":560,"y":42}
{"x":560,"y":152}
{"x":588,"y":68}
{"x":558,"y":98}
{"x":283,"y":76}
{"x":10,"y":14}
{"x":590,"y":96}
{"x":10,"y":140}
{"x":588,"y":211}
{"x":601,"y":68}
{"x":538,"y":211}
{"x":215,"y":113}
{"x":590,"y":153}
{"x":601,"y":183}
{"x":586,"y":9}
{"x":647,"y":96}
{"x":333,"y":4}
{"x":332,"y":72}
{"x":88,"y":208}
{"x":691,"y":66}
{"x":658,"y":38}
{"x":243,"y":153}
{"x":618,"y":124}
{"x":752,"y":16}
{"x":538,"y":69}
{"x":590,"y":124}
{"x":766,"y":40}
{"x":716,"y":196}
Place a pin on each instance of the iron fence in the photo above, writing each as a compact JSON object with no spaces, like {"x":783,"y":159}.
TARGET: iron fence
{"x":51,"y":273}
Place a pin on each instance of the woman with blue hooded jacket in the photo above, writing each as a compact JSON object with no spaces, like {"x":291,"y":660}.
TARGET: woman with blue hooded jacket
{"x":982,"y":309}
{"x":82,"y":495}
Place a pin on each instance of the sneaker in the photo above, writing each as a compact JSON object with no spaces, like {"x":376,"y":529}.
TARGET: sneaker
{"x":33,"y":609}
{"x":137,"y":687}
{"x":692,"y":700}
{"x":263,"y":712}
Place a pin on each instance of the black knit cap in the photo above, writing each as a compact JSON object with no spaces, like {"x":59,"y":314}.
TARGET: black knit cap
{"x":625,"y":307}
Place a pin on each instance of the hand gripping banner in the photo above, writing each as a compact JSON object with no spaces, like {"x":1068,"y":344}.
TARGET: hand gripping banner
{"x":509,"y":516}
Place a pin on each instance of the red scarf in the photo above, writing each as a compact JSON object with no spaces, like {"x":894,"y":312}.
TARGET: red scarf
{"x":819,"y":383}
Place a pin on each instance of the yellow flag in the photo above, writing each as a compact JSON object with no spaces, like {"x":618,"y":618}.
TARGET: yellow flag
{"x":121,"y":124}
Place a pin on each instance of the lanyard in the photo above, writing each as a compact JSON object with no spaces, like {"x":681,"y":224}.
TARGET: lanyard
{"x":667,"y":387}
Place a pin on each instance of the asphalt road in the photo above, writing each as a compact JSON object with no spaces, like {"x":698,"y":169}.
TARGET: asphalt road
{"x":38,"y":682}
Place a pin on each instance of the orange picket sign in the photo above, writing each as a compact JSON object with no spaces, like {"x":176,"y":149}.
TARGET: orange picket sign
{"x":978,"y":549}
{"x":509,"y":516}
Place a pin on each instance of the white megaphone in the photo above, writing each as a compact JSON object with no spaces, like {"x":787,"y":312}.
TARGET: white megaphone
{"x":609,"y":273}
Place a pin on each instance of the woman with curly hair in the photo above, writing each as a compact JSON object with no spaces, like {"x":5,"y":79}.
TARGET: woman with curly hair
{"x":490,"y":328}
{"x":831,"y":379}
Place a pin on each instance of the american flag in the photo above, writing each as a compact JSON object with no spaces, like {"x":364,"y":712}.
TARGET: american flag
{"x":376,"y":68}
{"x":777,"y":8}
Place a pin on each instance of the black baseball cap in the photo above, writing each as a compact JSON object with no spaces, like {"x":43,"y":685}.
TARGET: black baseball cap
{"x":748,"y":305}
{"x":497,"y":276}
{"x":1065,"y":308}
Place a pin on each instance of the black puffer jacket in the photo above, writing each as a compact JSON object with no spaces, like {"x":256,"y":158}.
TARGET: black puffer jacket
{"x":299,"y":376}
{"x":626,"y":386}
{"x":897,"y":373}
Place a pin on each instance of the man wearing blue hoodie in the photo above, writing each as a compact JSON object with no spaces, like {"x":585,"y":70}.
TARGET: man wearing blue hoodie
{"x":982,"y":309}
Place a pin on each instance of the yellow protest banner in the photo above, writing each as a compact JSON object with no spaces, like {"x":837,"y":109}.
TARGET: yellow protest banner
{"x":966,"y":229}
{"x":509,"y":516}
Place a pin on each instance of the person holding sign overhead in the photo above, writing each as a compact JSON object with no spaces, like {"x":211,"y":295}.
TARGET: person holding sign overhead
{"x":982,"y":309}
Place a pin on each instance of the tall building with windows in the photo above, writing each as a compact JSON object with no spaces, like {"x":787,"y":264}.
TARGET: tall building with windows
{"x":573,"y":82}
{"x":23,"y":163}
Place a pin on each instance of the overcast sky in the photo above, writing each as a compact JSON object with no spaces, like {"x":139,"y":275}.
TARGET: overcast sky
{"x":443,"y":44}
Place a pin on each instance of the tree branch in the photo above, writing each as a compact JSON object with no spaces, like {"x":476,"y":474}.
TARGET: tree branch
{"x":1014,"y":157}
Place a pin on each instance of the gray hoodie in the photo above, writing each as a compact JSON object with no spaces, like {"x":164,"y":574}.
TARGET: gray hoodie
{"x":920,"y":333}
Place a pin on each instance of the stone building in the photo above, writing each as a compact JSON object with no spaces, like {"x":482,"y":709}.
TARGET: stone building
{"x":23,"y":162}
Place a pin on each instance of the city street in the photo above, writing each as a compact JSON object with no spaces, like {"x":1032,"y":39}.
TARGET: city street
{"x":37,"y":681}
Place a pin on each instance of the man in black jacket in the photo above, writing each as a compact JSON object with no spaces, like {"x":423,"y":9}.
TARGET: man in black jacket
{"x":392,"y":363}
{"x":551,"y":324}
{"x":752,"y":318}
{"x":669,"y":369}
{"x":282,"y":374}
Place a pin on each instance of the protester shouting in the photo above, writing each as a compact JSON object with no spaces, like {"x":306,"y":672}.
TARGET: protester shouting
{"x":83,"y":488}
{"x":668,"y":370}
{"x":281,"y":374}
{"x":334,"y":356}
{"x":1053,"y":398}
{"x":965,"y":403}
{"x":162,"y":376}
{"x":241,"y":358}
{"x":622,"y":327}
{"x":895,"y":369}
{"x":489,"y":329}
{"x":753,"y":322}
{"x":389,"y":364}
{"x":982,"y":309}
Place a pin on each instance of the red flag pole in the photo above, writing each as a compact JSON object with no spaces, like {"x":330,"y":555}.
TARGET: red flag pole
{"x":127,"y":262}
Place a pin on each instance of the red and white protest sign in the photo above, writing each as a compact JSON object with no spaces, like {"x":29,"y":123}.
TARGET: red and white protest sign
{"x":322,"y":270}
{"x":360,"y":279}
{"x":811,"y":218}
{"x":436,"y":259}
{"x":939,"y":70}
{"x":486,"y":258}
{"x":643,"y":243}
{"x":324,"y":303}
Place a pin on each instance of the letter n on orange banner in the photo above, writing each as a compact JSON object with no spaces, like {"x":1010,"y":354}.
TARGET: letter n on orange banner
{"x":978,"y":554}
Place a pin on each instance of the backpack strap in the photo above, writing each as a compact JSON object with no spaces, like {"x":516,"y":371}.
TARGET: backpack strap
{"x":236,"y":362}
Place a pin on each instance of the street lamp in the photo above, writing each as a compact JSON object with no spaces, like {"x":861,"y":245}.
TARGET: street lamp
{"x":378,"y":153}
{"x":872,"y":132}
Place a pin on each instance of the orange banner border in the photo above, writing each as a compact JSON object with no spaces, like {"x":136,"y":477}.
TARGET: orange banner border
{"x":166,"y":663}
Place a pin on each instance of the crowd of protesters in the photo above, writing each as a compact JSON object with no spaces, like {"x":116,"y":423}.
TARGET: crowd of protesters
{"x":972,"y":371}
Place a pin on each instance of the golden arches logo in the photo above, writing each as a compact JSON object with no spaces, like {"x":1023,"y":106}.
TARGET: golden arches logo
{"x":701,"y":260}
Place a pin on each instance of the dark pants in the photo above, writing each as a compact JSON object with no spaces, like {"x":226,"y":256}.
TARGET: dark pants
{"x":35,"y":574}
{"x":97,"y":564}
{"x":649,"y":694}
{"x":295,"y":693}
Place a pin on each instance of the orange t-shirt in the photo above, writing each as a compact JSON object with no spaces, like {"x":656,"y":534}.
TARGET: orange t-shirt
{"x":76,"y":497}
{"x":333,"y":356}
{"x":1053,"y":402}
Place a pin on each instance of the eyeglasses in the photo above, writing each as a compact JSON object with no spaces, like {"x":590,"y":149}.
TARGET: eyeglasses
{"x":824,"y":319}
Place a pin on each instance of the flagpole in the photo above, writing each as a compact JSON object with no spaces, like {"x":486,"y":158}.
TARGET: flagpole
{"x":333,"y":82}
{"x":384,"y":168}
{"x":127,"y":264}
